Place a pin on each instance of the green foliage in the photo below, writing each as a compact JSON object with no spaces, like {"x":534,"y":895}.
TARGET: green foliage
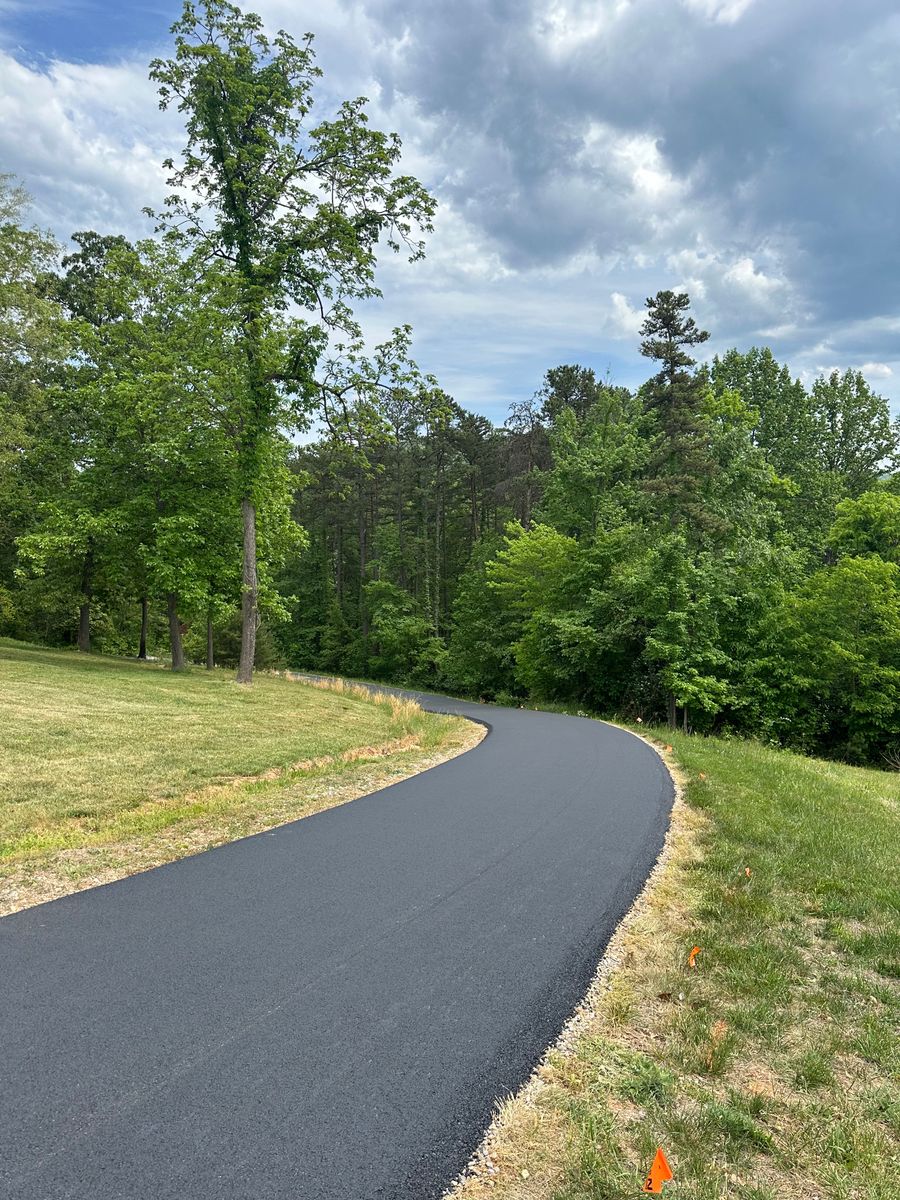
{"x":868,"y":525}
{"x":651,"y":555}
{"x":783,"y":423}
{"x":34,"y":345}
{"x":569,"y":387}
{"x":481,"y":660}
{"x":404,"y":646}
{"x":532,"y":569}
{"x":592,"y":486}
{"x":838,"y":659}
{"x":856,"y":437}
{"x":827,"y":444}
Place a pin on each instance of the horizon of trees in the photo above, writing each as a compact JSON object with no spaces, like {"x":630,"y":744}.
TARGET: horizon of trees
{"x":717,"y":549}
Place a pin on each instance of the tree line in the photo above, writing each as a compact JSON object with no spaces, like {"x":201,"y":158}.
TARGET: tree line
{"x":199,"y":458}
{"x":719,"y":549}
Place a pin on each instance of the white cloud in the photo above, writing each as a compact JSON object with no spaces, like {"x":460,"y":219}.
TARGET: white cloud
{"x":87,"y":140}
{"x":876,"y":370}
{"x":756,"y":285}
{"x":565,"y":25}
{"x":652,"y":181}
{"x":625,"y":320}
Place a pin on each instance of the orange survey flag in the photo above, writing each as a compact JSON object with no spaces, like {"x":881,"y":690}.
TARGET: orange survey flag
{"x":660,"y":1173}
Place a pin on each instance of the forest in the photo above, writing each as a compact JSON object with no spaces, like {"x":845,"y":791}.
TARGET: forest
{"x":200,"y":459}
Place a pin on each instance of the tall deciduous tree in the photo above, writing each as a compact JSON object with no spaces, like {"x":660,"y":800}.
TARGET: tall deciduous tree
{"x":782,"y":421}
{"x":784,"y":427}
{"x":35,"y":452}
{"x":837,"y":659}
{"x":856,"y":437}
{"x":98,"y":290}
{"x":296,"y":207}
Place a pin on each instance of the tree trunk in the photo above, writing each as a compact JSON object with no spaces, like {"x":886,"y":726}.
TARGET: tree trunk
{"x":400,"y":502}
{"x":210,"y":649}
{"x":685,"y":719}
{"x":84,"y":611}
{"x":438,"y":536}
{"x":249,"y":594}
{"x":673,"y":710}
{"x":84,"y":627}
{"x":175,"y":633}
{"x":362,"y":531}
{"x":145,"y":622}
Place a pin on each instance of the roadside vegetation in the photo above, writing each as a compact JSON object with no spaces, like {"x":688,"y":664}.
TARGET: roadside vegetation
{"x":109,"y":766}
{"x":769,"y":1071}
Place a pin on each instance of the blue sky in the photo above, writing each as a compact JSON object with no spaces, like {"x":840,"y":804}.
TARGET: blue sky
{"x":585,"y":153}
{"x":84,"y":30}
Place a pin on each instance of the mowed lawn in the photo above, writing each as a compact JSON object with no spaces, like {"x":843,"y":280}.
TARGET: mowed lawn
{"x":93,"y":749}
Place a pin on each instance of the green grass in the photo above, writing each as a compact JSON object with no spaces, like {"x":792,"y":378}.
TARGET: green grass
{"x":772,"y":1070}
{"x":784,"y":1042}
{"x":95,"y":749}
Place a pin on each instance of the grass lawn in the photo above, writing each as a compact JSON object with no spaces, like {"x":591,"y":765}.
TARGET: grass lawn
{"x":771,"y":1070}
{"x":108,"y":766}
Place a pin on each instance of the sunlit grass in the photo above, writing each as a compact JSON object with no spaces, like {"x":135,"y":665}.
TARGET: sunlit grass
{"x":95,"y":749}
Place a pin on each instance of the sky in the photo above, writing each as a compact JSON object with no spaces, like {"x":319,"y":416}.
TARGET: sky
{"x":584,"y":154}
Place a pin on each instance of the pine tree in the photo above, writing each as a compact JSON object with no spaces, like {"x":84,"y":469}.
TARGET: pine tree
{"x":681,"y":461}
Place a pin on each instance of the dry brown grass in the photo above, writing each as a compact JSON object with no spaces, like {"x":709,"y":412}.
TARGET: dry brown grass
{"x":403,"y":708}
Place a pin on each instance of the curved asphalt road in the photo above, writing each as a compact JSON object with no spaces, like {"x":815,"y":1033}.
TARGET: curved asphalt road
{"x":327,"y":1011}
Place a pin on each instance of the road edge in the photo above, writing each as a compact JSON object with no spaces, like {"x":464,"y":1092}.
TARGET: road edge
{"x":511,"y":1111}
{"x":332,"y":781}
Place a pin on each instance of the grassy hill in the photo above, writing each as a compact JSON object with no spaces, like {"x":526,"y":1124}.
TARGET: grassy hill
{"x":771,"y":1069}
{"x":109,"y":766}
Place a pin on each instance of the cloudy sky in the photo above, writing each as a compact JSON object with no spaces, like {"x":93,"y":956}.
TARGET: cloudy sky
{"x":585,"y":153}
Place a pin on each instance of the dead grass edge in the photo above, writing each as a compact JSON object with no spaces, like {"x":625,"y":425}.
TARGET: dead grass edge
{"x":300,"y":790}
{"x":525,"y":1131}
